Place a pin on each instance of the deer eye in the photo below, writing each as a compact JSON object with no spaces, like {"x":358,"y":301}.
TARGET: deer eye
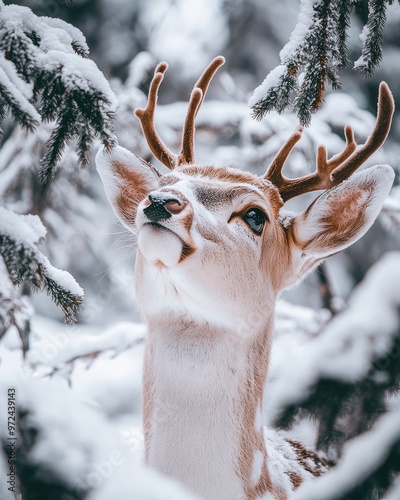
{"x":255,"y":219}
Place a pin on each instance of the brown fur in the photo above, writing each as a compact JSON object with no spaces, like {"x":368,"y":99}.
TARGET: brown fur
{"x":134,"y":187}
{"x":307,"y":457}
{"x":251,"y":401}
{"x":223,"y":174}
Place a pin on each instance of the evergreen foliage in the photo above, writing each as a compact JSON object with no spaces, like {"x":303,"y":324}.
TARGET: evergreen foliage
{"x":43,"y":63}
{"x":315,"y":54}
{"x":14,"y":309}
{"x":350,"y":399}
{"x":26,"y":265}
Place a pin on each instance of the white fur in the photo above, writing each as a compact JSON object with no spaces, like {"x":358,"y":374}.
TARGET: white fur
{"x":218,"y":271}
{"x":159,"y":246}
{"x":199,"y":444}
{"x":258,"y":461}
{"x":258,"y":424}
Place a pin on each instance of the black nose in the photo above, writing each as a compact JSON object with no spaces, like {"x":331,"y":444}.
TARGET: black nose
{"x":157,"y":210}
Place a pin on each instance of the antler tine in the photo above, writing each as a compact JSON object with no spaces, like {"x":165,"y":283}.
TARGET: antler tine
{"x":323,"y":163}
{"x":331,"y":172}
{"x":375,"y":140}
{"x":198,"y":93}
{"x":146,"y":118}
{"x":274,"y":173}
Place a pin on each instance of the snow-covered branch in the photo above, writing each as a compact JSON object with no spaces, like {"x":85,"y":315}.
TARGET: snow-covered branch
{"x":368,"y":464}
{"x":43,"y":64}
{"x":25,"y":264}
{"x":315,"y":53}
{"x":345,"y":376}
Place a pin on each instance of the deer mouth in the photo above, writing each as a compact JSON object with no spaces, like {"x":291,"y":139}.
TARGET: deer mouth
{"x":157,"y":225}
{"x":160,"y":228}
{"x":162,"y":246}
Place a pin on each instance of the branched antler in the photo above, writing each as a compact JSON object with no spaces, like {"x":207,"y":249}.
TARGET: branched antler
{"x":146,"y":116}
{"x":330,"y":173}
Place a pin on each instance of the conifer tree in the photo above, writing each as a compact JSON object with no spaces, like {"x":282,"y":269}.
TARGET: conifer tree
{"x":46,"y":79}
{"x":46,"y":76}
{"x":349,"y":385}
{"x":316,"y":53}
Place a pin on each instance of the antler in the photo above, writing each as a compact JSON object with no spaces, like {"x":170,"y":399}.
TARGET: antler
{"x":331,"y":172}
{"x":146,"y":116}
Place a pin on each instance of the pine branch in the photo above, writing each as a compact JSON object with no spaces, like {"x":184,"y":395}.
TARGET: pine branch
{"x":372,"y":37}
{"x":45,"y":65}
{"x":308,"y":62}
{"x":27,"y":265}
{"x":278,"y":95}
{"x":14,"y":309}
{"x":315,"y":53}
{"x":343,"y":24}
{"x":321,"y":47}
{"x":348,"y":400}
{"x":376,"y":454}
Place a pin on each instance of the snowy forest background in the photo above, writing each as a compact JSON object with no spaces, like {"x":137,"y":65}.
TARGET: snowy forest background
{"x":336,"y":357}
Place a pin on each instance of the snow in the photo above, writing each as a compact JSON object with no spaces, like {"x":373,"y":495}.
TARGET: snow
{"x":23,"y":229}
{"x":55,"y":50}
{"x":62,"y":278}
{"x":360,"y":120}
{"x":20,"y":91}
{"x":77,"y":444}
{"x":52,"y":32}
{"x":28,"y":230}
{"x":360,"y":62}
{"x":80,"y":73}
{"x":140,"y":66}
{"x":116,"y":339}
{"x":352,"y":341}
{"x":304,"y":22}
{"x":272,"y":80}
{"x":75,"y":34}
{"x":361,"y":456}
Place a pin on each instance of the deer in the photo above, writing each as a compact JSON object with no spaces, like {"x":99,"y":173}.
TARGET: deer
{"x":214,"y":252}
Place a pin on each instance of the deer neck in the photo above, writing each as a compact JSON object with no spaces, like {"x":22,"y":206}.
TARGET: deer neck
{"x":203,"y":390}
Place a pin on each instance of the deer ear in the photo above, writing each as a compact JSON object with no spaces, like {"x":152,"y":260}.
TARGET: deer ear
{"x":339,"y":217}
{"x":127,"y":181}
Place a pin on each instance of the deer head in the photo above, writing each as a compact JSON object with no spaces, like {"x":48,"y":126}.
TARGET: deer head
{"x":211,"y":241}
